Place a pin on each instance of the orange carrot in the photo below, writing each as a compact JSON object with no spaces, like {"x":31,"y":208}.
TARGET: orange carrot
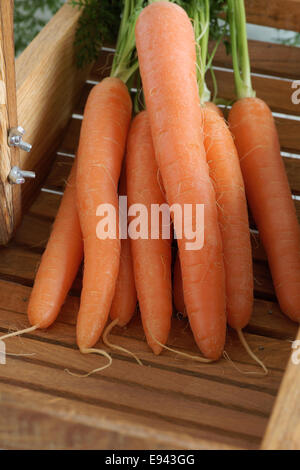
{"x":59,"y":263}
{"x":269,"y":197}
{"x":167,"y":58}
{"x":151,"y":257}
{"x":125,"y":298}
{"x":101,"y":148}
{"x":267,"y":187}
{"x":226,"y":174}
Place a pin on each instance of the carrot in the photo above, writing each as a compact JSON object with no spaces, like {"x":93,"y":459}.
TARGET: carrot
{"x":226,"y":174}
{"x":267,"y":187}
{"x":269,"y":197}
{"x":125,"y":298}
{"x":167,"y":58}
{"x":151,"y":257}
{"x":59,"y":263}
{"x":101,"y":149}
{"x":233,"y":220}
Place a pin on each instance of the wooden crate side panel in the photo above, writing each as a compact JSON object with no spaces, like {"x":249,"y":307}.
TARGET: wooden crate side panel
{"x":10,"y":201}
{"x":48,"y":86}
{"x":283,"y":432}
{"x":265,"y":58}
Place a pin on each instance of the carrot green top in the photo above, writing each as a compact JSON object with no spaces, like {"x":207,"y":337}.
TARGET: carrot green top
{"x":198,"y":11}
{"x":239,"y":48}
{"x":204,"y":15}
{"x":125,"y":62}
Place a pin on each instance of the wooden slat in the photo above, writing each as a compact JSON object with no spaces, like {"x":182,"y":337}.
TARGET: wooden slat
{"x":71,"y":136}
{"x":277,"y":93}
{"x":276,"y":13}
{"x":288,"y":131}
{"x":34,"y":232}
{"x":268,"y":320}
{"x":292,"y":167}
{"x":74,"y":425}
{"x":283,"y":432}
{"x":58,"y":175}
{"x":265,"y":58}
{"x":141,"y":401}
{"x":18,"y":264}
{"x":10,"y":201}
{"x":45,"y":205}
{"x":48,"y":86}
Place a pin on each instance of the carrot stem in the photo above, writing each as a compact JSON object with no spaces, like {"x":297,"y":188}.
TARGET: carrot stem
{"x":239,"y":47}
{"x":198,"y":11}
{"x":125,"y":62}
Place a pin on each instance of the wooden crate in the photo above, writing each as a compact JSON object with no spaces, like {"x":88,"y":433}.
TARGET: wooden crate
{"x":170,"y":402}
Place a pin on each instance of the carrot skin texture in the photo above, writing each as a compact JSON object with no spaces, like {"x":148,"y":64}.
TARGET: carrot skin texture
{"x":101,"y":149}
{"x":167,"y":58}
{"x":151,"y":257}
{"x":125,"y":298}
{"x":212,"y":106}
{"x":226,"y":174}
{"x":269,"y":197}
{"x":60,"y":261}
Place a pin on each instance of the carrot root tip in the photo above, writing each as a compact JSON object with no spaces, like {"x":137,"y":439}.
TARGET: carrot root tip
{"x":115,"y":346}
{"x":92,"y":351}
{"x":251,"y":354}
{"x":181,"y":353}
{"x":20,"y":332}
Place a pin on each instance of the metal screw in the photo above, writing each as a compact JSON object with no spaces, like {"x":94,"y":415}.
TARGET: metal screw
{"x":15,"y":139}
{"x":17,"y":176}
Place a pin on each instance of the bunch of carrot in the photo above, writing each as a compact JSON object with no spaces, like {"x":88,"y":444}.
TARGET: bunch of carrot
{"x":179,"y":151}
